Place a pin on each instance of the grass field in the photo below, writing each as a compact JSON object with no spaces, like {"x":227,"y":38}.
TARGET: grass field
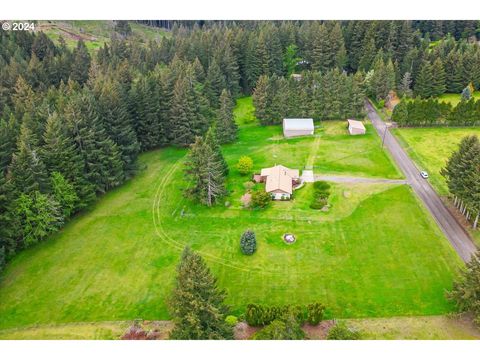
{"x":430,"y":148}
{"x":454,"y":99}
{"x":95,"y":33}
{"x":376,"y":253}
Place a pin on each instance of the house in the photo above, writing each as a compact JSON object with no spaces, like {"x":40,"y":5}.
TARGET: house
{"x":297,"y":127}
{"x":356,"y":127}
{"x":280,"y":181}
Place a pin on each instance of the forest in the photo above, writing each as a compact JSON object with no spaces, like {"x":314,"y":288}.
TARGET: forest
{"x":73,"y":122}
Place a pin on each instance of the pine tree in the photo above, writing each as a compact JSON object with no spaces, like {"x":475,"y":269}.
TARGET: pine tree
{"x":205,"y":173}
{"x":323,"y":55}
{"x":60,"y":154}
{"x":439,"y":78}
{"x":400,"y":113}
{"x":27,"y":171}
{"x":81,"y":63}
{"x":466,"y":290}
{"x":405,"y":87}
{"x":261,"y":101}
{"x":215,"y":82}
{"x":197,"y":305}
{"x":226,"y":127}
{"x":117,"y":123}
{"x":8,"y":134}
{"x":212,"y":142}
{"x":424,"y":81}
{"x":64,"y":194}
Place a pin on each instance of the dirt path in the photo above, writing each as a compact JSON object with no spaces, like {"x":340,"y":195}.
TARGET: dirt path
{"x":454,"y":232}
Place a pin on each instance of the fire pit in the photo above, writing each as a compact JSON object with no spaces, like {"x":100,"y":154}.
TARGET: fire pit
{"x":289,"y":238}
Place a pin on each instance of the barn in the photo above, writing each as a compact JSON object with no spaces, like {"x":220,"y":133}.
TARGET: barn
{"x":297,"y":127}
{"x":356,"y":127}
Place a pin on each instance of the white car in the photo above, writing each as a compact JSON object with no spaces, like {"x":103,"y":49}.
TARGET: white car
{"x":424,"y":174}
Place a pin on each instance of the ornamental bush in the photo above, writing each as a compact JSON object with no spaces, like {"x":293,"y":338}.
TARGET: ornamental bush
{"x":260,"y":199}
{"x":231,"y":320}
{"x":321,"y":194}
{"x":245,"y":165}
{"x":341,"y":332}
{"x":315,"y":313}
{"x":248,"y":242}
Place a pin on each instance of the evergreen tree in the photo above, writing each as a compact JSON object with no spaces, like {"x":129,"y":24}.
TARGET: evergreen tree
{"x":400,"y":113}
{"x":260,"y":100}
{"x":64,"y":194}
{"x":226,"y":126}
{"x":439,"y":78}
{"x":8,"y":134}
{"x":27,"y":171}
{"x":60,"y":154}
{"x":205,"y":173}
{"x":405,"y":87}
{"x":81,"y":63}
{"x":38,"y":216}
{"x":197,"y":305}
{"x":466,"y":290}
{"x":424,"y":82}
{"x":215,"y":82}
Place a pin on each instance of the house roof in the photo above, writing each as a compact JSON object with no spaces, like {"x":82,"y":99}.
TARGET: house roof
{"x":298,"y":124}
{"x":279,"y":178}
{"x":356,"y":124}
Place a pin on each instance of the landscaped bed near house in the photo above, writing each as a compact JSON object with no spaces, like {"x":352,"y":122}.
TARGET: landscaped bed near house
{"x":377,"y":252}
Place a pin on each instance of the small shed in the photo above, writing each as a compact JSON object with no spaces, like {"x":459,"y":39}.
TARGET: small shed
{"x":297,"y":127}
{"x":356,"y":127}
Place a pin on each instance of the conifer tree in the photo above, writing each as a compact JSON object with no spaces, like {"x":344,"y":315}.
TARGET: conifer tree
{"x":8,"y":134}
{"x":60,"y":154}
{"x":261,"y":100}
{"x":439,"y":78}
{"x":424,"y":81}
{"x":226,"y":126}
{"x":197,"y":305}
{"x":27,"y":171}
{"x":405,"y":87}
{"x":204,"y":171}
{"x":81,"y":63}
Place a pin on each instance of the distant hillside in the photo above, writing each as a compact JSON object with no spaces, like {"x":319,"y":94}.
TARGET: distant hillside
{"x":94,"y":32}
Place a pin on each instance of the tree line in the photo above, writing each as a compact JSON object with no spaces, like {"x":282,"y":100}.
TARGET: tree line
{"x":431,"y":112}
{"x":462,"y":173}
{"x":331,"y":95}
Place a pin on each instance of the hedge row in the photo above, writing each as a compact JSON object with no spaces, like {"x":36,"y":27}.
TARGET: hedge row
{"x":259,"y":315}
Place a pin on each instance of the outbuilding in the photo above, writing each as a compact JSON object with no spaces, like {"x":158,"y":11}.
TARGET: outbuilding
{"x":297,"y":127}
{"x":356,"y":127}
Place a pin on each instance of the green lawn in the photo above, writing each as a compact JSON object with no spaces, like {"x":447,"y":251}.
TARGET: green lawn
{"x":430,"y":148}
{"x":454,"y":99}
{"x":375,"y":253}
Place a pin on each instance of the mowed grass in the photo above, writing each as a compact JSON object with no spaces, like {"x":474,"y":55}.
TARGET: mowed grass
{"x":430,"y":148}
{"x":375,"y":253}
{"x":454,"y":99}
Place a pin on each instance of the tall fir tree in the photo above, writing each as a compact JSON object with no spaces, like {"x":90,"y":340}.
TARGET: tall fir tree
{"x":197,"y":305}
{"x":226,"y":127}
{"x":81,"y":63}
{"x":424,"y":81}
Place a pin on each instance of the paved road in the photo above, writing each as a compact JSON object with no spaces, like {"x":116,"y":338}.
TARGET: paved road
{"x":349,"y":179}
{"x":455,"y":233}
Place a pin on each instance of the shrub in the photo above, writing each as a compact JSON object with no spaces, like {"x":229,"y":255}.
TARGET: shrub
{"x":321,"y":194}
{"x":248,"y":185}
{"x":315,"y":313}
{"x":284,"y":329}
{"x":231,"y":320}
{"x":248,"y":242}
{"x":245,"y":165}
{"x":260,"y":199}
{"x":258,"y":315}
{"x":341,"y":332}
{"x":321,"y":186}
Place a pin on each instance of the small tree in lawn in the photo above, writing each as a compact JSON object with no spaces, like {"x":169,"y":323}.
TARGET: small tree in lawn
{"x":245,"y":165}
{"x":260,"y":199}
{"x":197,"y":305}
{"x":466,"y":290}
{"x":248,"y":242}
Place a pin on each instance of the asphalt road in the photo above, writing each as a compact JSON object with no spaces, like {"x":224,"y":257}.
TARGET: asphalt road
{"x":454,"y":232}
